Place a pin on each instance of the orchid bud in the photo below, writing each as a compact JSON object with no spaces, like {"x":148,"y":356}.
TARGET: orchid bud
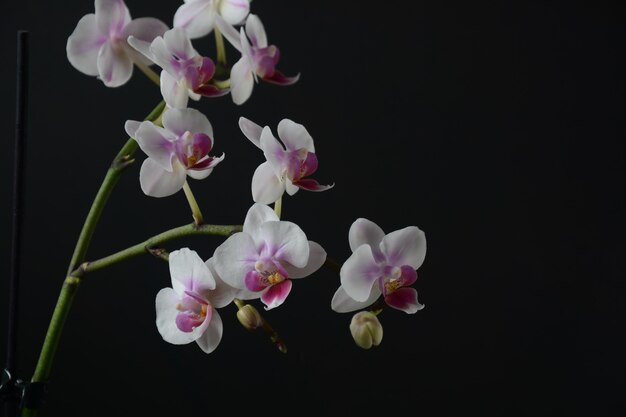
{"x":366,"y":329}
{"x":249,"y":317}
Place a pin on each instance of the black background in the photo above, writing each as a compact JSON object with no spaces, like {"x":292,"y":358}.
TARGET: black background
{"x":498,"y":130}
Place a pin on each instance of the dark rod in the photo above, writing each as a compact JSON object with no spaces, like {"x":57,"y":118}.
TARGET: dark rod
{"x":21,"y":104}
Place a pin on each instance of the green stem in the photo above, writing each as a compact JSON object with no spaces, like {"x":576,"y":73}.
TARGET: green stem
{"x":153,"y":76}
{"x":193,"y":204}
{"x":219,"y":44}
{"x":148,"y":246}
{"x":70,"y":285}
{"x":121,"y":161}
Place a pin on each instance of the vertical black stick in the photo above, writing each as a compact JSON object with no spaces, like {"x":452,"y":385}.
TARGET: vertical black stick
{"x":21,"y":107}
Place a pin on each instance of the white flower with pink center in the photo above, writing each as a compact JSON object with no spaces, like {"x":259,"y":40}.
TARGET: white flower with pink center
{"x":197,"y":17}
{"x":266,"y":256}
{"x":180,"y":148}
{"x":186,"y":74}
{"x":380,"y":265}
{"x":187,"y":312}
{"x":288,"y":164}
{"x":258,"y":59}
{"x":98,"y":45}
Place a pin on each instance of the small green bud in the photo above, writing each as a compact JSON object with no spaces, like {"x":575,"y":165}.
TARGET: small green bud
{"x":366,"y":329}
{"x":249,"y":317}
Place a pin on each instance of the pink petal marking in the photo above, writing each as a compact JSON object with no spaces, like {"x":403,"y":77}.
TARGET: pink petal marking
{"x":409,"y":275}
{"x":276,"y":294}
{"x":404,"y":299}
{"x":192,"y":314}
{"x":255,"y":281}
{"x":279,"y":78}
{"x":312,"y":185}
{"x":309,"y":165}
{"x":209,"y":90}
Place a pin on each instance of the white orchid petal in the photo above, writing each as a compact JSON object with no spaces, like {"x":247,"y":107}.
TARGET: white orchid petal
{"x":211,"y":338}
{"x":140,"y":33}
{"x":256,"y":216}
{"x":157,"y":182}
{"x":234,"y":258}
{"x":111,"y":16}
{"x":166,"y":312}
{"x":295,"y":136}
{"x":288,"y":241}
{"x":174,"y":95}
{"x":84,"y":44}
{"x":251,"y":130}
{"x":179,"y":121}
{"x":405,"y":247}
{"x":256,"y":31}
{"x":189,"y":272}
{"x":114,"y":66}
{"x":241,"y":81}
{"x":359,"y":273}
{"x":197,"y":18}
{"x":343,"y":303}
{"x":317,"y":257}
{"x":364,"y":231}
{"x":230,"y":33}
{"x":234,"y":11}
{"x":266,"y":186}
{"x":157,"y":143}
{"x":223,"y":294}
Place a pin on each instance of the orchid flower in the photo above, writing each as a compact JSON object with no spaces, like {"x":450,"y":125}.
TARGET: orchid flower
{"x":187,"y":312}
{"x":380,"y":264}
{"x":258,"y":60}
{"x":180,"y":148}
{"x":98,"y":46}
{"x":285,"y":169}
{"x":186,"y":74}
{"x":197,"y":17}
{"x":266,"y":256}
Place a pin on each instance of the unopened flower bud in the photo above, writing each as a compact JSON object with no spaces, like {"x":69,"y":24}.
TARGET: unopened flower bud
{"x":366,"y":329}
{"x":249,"y":317}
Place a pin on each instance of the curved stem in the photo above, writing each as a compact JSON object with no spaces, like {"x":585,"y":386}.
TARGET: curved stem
{"x":153,"y":76}
{"x":278,"y":206}
{"x":70,"y":285}
{"x":193,"y":204}
{"x":148,"y":245}
{"x":121,"y":161}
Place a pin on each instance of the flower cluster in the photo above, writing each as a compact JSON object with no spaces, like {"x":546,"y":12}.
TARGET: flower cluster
{"x":269,"y":255}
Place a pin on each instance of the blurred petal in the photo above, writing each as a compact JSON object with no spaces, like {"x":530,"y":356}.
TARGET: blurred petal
{"x":177,"y":43}
{"x":157,"y":143}
{"x":229,"y":32}
{"x":359,"y":273}
{"x":273,"y":151}
{"x":234,"y":11}
{"x":256,"y":31}
{"x":312,"y":185}
{"x":131,"y":127}
{"x":251,"y":130}
{"x":223,"y":294}
{"x":142,"y":31}
{"x":174,"y":95}
{"x":404,"y":299}
{"x":179,"y":121}
{"x":295,"y":136}
{"x":405,"y":247}
{"x":241,"y":81}
{"x":157,"y":182}
{"x":83,"y":45}
{"x":279,"y":78}
{"x":317,"y":257}
{"x":196,"y":17}
{"x":111,"y":16}
{"x":343,"y":303}
{"x":266,"y":187}
{"x":276,"y":294}
{"x":209,"y":340}
{"x":114,"y":66}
